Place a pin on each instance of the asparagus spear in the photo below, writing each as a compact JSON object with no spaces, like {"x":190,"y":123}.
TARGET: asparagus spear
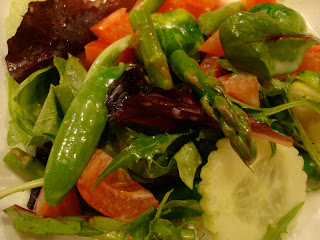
{"x":149,"y":50}
{"x":211,"y":21}
{"x":24,"y":164}
{"x":232,"y":120}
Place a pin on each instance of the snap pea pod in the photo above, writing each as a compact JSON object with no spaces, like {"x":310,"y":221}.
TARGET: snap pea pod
{"x":78,"y":135}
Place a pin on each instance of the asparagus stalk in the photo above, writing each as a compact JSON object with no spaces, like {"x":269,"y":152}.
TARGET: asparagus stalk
{"x":149,"y":50}
{"x":232,"y":120}
{"x":211,"y":21}
{"x":24,"y":164}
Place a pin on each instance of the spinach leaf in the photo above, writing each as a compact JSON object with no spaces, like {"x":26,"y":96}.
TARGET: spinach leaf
{"x":286,"y":17}
{"x":275,"y":231}
{"x":266,"y":48}
{"x":188,"y":160}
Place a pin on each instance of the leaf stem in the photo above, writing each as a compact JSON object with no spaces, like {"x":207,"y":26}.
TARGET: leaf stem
{"x":21,"y":187}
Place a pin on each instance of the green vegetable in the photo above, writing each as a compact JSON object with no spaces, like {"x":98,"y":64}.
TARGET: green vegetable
{"x":211,"y":21}
{"x":232,"y":120}
{"x":78,"y":135}
{"x":266,"y":48}
{"x":177,"y":29}
{"x":188,"y":160}
{"x":139,"y":156}
{"x":149,"y":50}
{"x":24,"y":164}
{"x":285,"y":17}
{"x":50,"y":117}
{"x":25,"y":104}
{"x":151,"y":223}
{"x":26,"y":221}
{"x":72,"y":75}
{"x":276,"y":230}
{"x":21,"y":187}
{"x":109,"y":57}
{"x":149,"y":5}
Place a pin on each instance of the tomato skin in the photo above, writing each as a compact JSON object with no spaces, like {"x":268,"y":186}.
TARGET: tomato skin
{"x":213,"y":45}
{"x":68,"y":206}
{"x":117,"y":195}
{"x":114,"y":27}
{"x":251,"y":3}
{"x":196,"y":8}
{"x":311,"y":60}
{"x":243,"y":87}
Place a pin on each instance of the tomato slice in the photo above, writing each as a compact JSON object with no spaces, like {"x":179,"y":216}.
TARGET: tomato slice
{"x":213,"y":45}
{"x":196,"y":8}
{"x":311,"y":60}
{"x":115,"y":26}
{"x":210,"y":66}
{"x":117,"y":195}
{"x":243,"y":87}
{"x":68,"y":206}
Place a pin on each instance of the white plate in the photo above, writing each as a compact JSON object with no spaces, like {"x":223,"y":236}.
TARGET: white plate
{"x":308,"y":222}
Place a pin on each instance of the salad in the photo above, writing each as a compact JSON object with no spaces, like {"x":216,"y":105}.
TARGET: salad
{"x":155,"y":134}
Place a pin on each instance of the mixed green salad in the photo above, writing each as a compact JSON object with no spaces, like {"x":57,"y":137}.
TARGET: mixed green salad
{"x":193,"y":136}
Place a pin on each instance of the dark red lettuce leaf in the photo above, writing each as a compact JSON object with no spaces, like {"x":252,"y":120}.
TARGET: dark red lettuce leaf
{"x":55,"y":28}
{"x":263,"y":130}
{"x":165,"y":109}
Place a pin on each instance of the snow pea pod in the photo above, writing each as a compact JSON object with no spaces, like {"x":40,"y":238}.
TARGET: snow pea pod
{"x":78,"y":135}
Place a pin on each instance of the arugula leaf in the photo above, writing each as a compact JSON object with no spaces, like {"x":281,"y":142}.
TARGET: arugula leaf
{"x":265,"y":49}
{"x":142,"y":147}
{"x":275,"y":231}
{"x":188,"y":160}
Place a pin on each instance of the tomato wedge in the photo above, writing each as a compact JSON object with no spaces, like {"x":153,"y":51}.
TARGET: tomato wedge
{"x":196,"y":8}
{"x":68,"y":206}
{"x":213,"y":45}
{"x":243,"y":87}
{"x":210,"y":66}
{"x":115,"y":26}
{"x":311,"y":60}
{"x":117,"y":195}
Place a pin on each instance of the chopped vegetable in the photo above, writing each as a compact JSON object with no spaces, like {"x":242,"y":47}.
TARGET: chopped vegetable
{"x":250,"y":199}
{"x":115,"y":26}
{"x":213,"y":45}
{"x":117,"y":195}
{"x":68,"y":206}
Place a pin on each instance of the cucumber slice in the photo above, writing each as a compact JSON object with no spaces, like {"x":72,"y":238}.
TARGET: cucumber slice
{"x":240,"y":203}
